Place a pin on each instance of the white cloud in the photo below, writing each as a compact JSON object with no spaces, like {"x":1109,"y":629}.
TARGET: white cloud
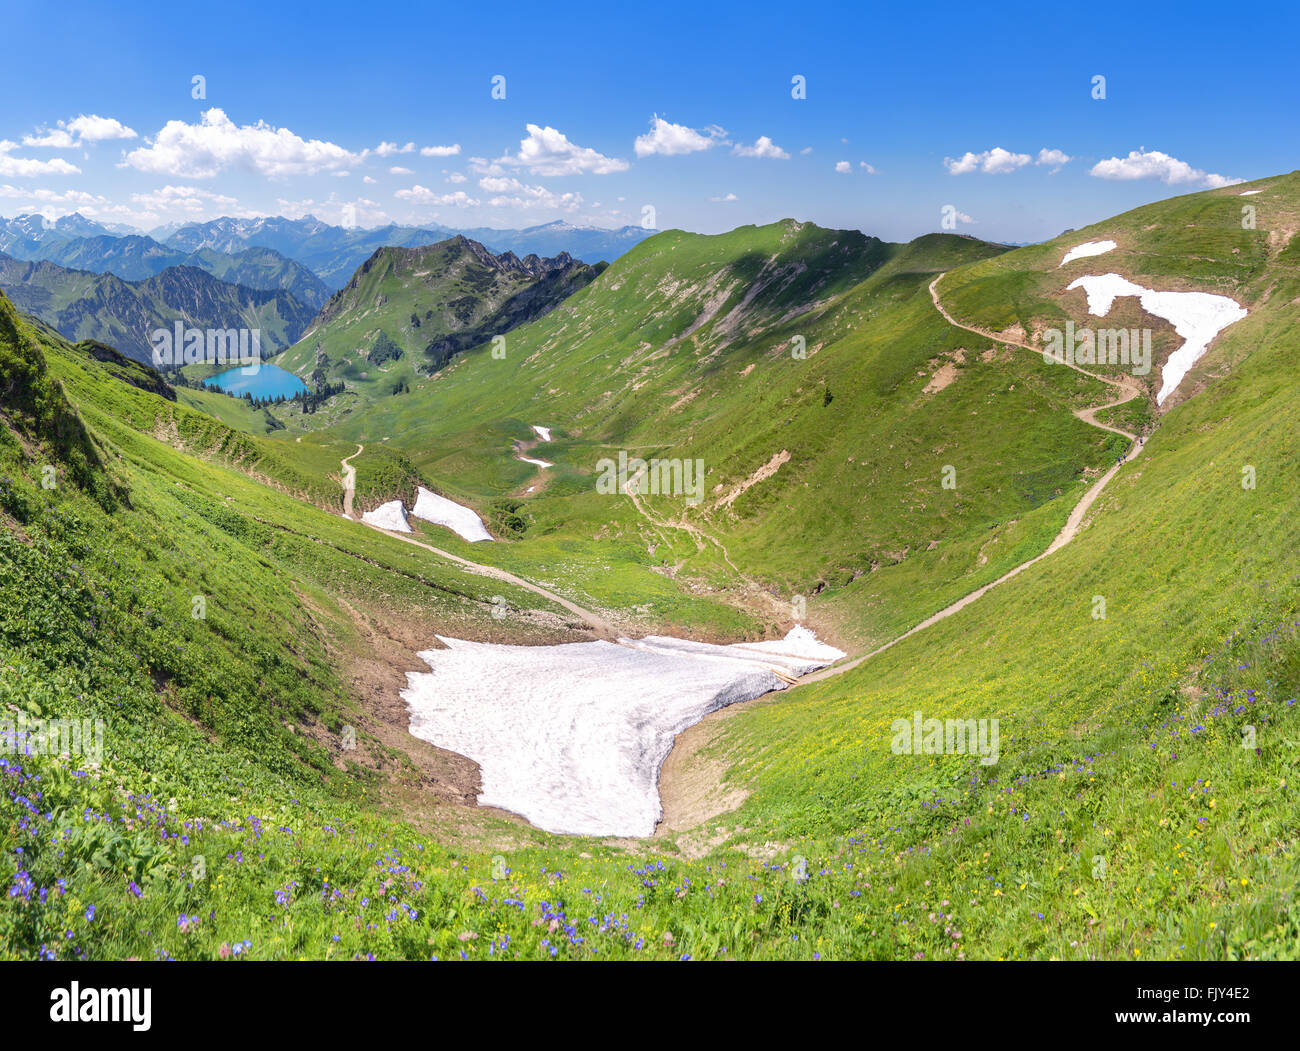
{"x":340,"y":175}
{"x":511,"y":193}
{"x":996,"y":161}
{"x":199,"y":151}
{"x":843,"y":167}
{"x":78,"y":131}
{"x":763,"y":147}
{"x":187,"y":199}
{"x":727,"y":197}
{"x":74,"y":198}
{"x":1141,"y":164}
{"x":547,"y":151}
{"x":388,"y":149}
{"x":674,"y":139}
{"x":24,"y":167}
{"x":806,"y":150}
{"x":398,"y":170}
{"x":440,"y":151}
{"x":1057,"y":159}
{"x":455,"y":177}
{"x":368,"y":180}
{"x":866,"y":167}
{"x":418,"y":194}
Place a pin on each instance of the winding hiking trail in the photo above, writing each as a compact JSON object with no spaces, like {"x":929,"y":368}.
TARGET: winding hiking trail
{"x":1129,"y":389}
{"x":598,"y":624}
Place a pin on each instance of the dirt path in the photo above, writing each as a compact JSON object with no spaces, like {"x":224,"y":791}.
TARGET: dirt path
{"x":598,"y":624}
{"x":678,"y":795}
{"x":349,"y":481}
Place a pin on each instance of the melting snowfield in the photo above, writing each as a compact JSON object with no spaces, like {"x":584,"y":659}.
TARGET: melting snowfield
{"x":572,"y":737}
{"x":1196,"y":316}
{"x":391,"y":515}
{"x":1084,"y":250}
{"x":459,"y":519}
{"x":539,"y":463}
{"x":544,"y":433}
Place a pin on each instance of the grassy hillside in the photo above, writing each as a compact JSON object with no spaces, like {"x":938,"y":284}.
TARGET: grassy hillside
{"x":1143,"y":801}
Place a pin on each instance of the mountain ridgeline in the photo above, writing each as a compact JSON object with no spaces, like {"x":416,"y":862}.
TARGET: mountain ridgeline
{"x":335,"y":252}
{"x":135,"y":257}
{"x":407,"y":312}
{"x":83,"y":305}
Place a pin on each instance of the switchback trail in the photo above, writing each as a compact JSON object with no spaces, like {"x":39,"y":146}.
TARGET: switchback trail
{"x":1129,"y":389}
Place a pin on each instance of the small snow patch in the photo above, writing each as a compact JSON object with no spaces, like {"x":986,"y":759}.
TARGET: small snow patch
{"x":461,"y":520}
{"x":540,"y":463}
{"x":1249,"y":193}
{"x":391,"y":515}
{"x":542,"y":432}
{"x":1084,"y":250}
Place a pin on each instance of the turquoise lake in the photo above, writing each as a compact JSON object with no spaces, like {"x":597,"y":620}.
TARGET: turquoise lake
{"x":270,"y":381}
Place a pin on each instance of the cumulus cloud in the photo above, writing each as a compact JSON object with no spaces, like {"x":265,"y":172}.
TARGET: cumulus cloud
{"x":418,"y":194}
{"x":843,"y":167}
{"x":25,"y":167}
{"x":996,"y":161}
{"x":368,"y":180}
{"x":389,"y":149}
{"x":440,"y":151}
{"x":399,"y":170}
{"x":1144,"y":164}
{"x":78,"y":131}
{"x":724,"y":198}
{"x":1056,"y":159}
{"x":511,"y":193}
{"x":455,"y":177}
{"x":199,"y":151}
{"x":672,"y":139}
{"x":547,"y":151}
{"x":763,"y":147}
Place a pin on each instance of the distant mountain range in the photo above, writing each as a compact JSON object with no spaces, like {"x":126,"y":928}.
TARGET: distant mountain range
{"x":83,"y":305}
{"x":334,"y":252}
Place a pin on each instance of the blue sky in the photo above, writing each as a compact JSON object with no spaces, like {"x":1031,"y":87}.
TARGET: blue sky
{"x":918,"y":106}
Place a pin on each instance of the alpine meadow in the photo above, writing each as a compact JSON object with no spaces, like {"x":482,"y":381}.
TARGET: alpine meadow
{"x":663,"y":507}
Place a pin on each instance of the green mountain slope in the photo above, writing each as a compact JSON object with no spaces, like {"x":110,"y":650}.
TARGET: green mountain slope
{"x":408,"y":311}
{"x":805,"y":369}
{"x":1142,"y":804}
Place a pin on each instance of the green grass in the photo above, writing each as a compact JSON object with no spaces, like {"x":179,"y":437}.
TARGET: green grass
{"x":1143,"y":804}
